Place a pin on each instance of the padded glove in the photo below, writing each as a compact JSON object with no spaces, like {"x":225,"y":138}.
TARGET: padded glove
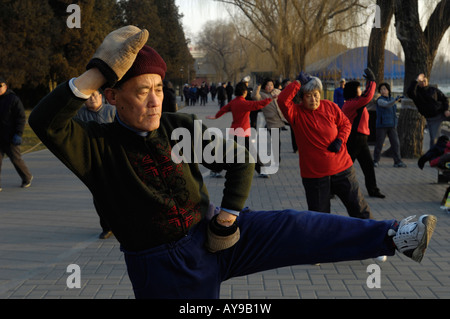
{"x":335,"y":147}
{"x":16,"y":140}
{"x":117,"y":53}
{"x":219,"y":237}
{"x":368,"y":75}
{"x":304,"y":78}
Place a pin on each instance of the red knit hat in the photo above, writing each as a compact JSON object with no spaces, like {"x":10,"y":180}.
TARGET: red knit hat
{"x":148,"y":61}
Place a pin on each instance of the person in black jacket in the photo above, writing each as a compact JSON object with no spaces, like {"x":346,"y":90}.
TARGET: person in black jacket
{"x":12,"y":124}
{"x":230,"y":90}
{"x":170,"y":98}
{"x":431,"y":103}
{"x":221,"y":95}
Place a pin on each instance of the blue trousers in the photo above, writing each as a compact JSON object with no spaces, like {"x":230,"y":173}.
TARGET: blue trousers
{"x":269,"y":239}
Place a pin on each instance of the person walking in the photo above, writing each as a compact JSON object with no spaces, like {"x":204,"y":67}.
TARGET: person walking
{"x":221,"y":94}
{"x":203,"y":91}
{"x":229,"y":90}
{"x":12,"y":125}
{"x":176,"y":243}
{"x":358,"y":148}
{"x":186,"y":94}
{"x":193,"y":94}
{"x":387,"y":125}
{"x":213,"y":91}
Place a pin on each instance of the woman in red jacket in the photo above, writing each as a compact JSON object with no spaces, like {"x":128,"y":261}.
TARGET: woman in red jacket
{"x":241,"y":108}
{"x":321,"y":131}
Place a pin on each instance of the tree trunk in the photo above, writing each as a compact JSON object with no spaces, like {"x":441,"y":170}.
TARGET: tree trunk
{"x":410,"y":130}
{"x":420,"y":50}
{"x":377,"y":41}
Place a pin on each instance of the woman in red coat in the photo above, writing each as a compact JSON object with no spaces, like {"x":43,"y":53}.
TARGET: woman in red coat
{"x":321,"y":131}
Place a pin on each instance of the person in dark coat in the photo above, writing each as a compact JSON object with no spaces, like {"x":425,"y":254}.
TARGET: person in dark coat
{"x":186,"y":94}
{"x":229,"y":89}
{"x":213,"y":90}
{"x":170,"y":98}
{"x":12,"y":125}
{"x":431,"y":103}
{"x":221,"y":95}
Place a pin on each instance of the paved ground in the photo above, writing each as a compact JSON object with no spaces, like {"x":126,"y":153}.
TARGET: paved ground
{"x":52,"y":225}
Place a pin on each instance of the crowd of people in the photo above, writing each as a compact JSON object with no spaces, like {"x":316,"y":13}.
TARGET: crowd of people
{"x":176,"y":243}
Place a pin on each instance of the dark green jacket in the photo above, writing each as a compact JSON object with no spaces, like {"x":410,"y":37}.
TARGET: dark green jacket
{"x":146,"y":198}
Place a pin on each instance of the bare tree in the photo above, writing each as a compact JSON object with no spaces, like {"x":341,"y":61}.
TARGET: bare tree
{"x":224,"y":49}
{"x":377,"y":41}
{"x":291,"y":28}
{"x":420,"y":47}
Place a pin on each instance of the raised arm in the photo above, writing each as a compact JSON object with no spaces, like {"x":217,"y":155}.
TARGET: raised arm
{"x":285,"y":100}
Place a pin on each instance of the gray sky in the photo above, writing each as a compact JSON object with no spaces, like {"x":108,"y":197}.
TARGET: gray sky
{"x":198,"y":12}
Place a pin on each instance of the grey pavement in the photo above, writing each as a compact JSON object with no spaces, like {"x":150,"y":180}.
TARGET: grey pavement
{"x":53,"y":224}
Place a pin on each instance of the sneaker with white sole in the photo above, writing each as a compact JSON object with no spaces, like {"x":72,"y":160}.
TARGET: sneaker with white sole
{"x":27,"y":184}
{"x":412,"y":238}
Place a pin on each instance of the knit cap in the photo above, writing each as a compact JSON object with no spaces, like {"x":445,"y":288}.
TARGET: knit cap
{"x":148,"y":61}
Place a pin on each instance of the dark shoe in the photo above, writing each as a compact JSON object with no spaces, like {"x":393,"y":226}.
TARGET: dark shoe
{"x":421,"y":162}
{"x":400,"y":164}
{"x":377,"y":194}
{"x":26,"y":184}
{"x":105,"y":234}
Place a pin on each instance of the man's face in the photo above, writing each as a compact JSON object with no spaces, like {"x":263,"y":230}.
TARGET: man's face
{"x":424,"y":82}
{"x":139,"y":102}
{"x":94,"y":102}
{"x":311,"y":100}
{"x":3,"y":88}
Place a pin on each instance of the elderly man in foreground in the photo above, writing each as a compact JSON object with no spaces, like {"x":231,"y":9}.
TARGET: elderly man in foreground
{"x":176,"y":243}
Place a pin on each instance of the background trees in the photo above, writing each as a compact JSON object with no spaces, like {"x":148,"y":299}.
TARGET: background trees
{"x":291,"y":28}
{"x":38,"y":50}
{"x":225,"y":50}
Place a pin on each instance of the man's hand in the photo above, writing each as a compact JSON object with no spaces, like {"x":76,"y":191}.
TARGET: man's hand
{"x":226,"y":219}
{"x":223,"y":232}
{"x":420,"y":77}
{"x":117,"y":53}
